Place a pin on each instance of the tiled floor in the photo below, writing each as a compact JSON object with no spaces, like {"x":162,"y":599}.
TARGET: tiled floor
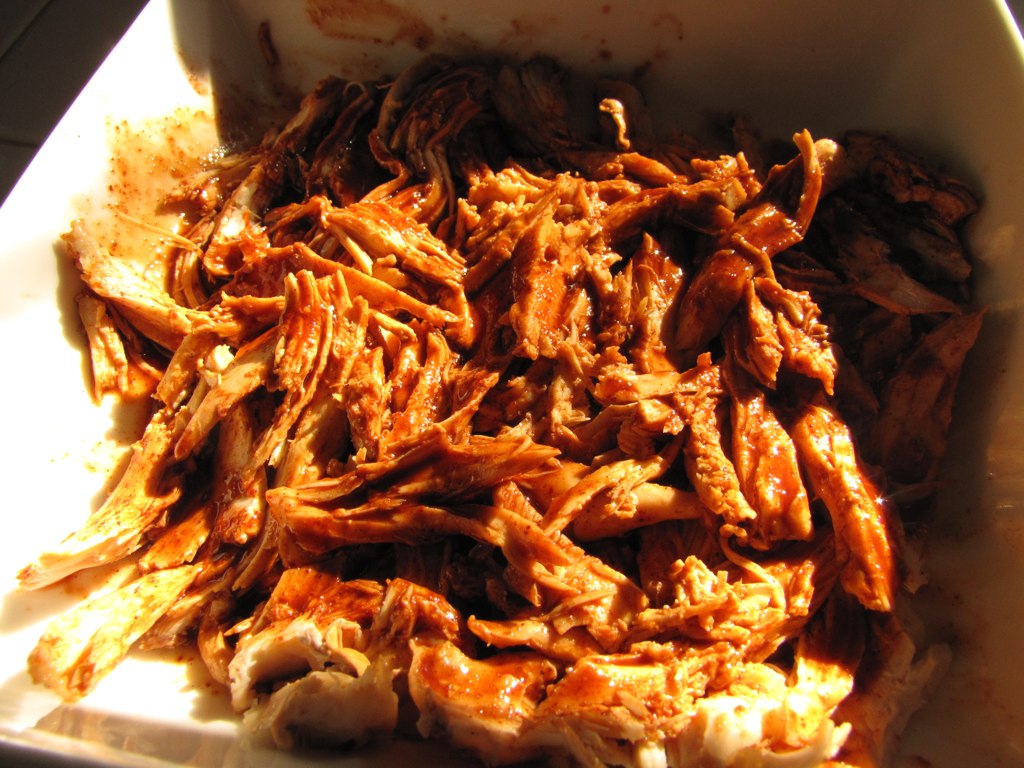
{"x":48,"y":50}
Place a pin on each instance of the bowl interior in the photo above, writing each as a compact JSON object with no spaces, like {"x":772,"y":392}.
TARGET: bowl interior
{"x":948,"y":79}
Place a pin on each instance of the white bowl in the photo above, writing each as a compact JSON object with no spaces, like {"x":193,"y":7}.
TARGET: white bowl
{"x":948,"y":78}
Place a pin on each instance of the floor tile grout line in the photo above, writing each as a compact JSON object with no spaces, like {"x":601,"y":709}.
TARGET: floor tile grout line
{"x":24,"y":31}
{"x":19,"y":143}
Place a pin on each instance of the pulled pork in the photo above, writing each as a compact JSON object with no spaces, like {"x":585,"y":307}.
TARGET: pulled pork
{"x":552,"y":444}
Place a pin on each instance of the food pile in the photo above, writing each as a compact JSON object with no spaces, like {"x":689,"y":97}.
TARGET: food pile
{"x":544,"y":441}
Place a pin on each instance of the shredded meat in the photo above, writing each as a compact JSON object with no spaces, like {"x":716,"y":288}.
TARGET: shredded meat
{"x":569,"y":445}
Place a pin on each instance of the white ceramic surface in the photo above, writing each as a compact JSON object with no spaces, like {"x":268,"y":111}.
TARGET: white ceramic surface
{"x":948,"y":77}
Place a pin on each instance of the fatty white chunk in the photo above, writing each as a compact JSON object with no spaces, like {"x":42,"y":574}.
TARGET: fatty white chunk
{"x":733,"y":730}
{"x":278,"y":653}
{"x":328,"y":708}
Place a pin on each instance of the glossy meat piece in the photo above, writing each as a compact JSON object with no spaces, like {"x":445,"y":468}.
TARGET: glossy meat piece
{"x":421,"y":399}
{"x":106,"y":348}
{"x":237,"y":492}
{"x":236,"y":377}
{"x":708,"y":465}
{"x":912,"y":428}
{"x":144,"y":303}
{"x":606,"y":501}
{"x":500,"y":207}
{"x":423,"y":115}
{"x":706,"y":205}
{"x":481,"y":704}
{"x":547,"y":274}
{"x":866,"y":528}
{"x":656,"y":282}
{"x":429,"y":465}
{"x":753,"y":339}
{"x":304,"y":340}
{"x":179,"y":541}
{"x":907,"y":178}
{"x":272,"y":173}
{"x":375,"y":231}
{"x":929,"y":247}
{"x":767,"y":467}
{"x":775,"y":220}
{"x":864,"y":257}
{"x":175,"y":627}
{"x":80,"y":647}
{"x":533,"y":104}
{"x":805,"y":340}
{"x":648,"y":504}
{"x":146,"y":490}
{"x":342,"y":166}
{"x":754,"y":606}
{"x":630,"y":124}
{"x":611,"y":709}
